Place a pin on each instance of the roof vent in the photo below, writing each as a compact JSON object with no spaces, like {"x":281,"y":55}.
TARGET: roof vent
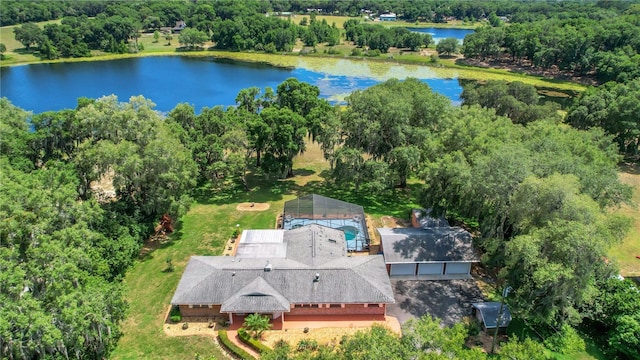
{"x":233,"y":273}
{"x":316,"y":278}
{"x":268,"y":267}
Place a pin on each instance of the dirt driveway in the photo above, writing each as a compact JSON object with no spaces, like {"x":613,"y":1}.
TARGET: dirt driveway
{"x":448,"y":300}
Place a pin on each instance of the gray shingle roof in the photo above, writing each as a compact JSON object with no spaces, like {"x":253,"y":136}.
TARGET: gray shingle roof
{"x":408,"y":245}
{"x":240,"y":284}
{"x":427,"y":221}
{"x":257,"y":296}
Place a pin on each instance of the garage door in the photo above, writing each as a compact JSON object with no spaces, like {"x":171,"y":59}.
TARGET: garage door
{"x":430,"y":269}
{"x":458,"y":268}
{"x":403,"y":269}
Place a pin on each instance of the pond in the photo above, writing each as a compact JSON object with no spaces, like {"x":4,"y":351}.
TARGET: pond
{"x":438,"y":34}
{"x":200,"y":81}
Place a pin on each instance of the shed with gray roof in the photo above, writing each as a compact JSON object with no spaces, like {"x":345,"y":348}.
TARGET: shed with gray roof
{"x":314,"y":275}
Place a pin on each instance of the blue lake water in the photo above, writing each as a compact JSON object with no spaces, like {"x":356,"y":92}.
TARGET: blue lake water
{"x":439,"y":34}
{"x":170,"y":80}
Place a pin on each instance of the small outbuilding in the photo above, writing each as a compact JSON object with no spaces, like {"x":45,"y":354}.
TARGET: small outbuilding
{"x":488,"y":314}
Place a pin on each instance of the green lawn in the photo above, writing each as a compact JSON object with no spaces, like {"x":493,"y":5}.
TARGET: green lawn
{"x":204,"y":231}
{"x":625,"y":253}
{"x":339,"y":21}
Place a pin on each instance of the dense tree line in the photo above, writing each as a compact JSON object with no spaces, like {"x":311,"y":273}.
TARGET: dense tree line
{"x":17,"y":12}
{"x":63,"y":252}
{"x":517,"y":101}
{"x":378,"y":37}
{"x":538,"y":193}
{"x":607,"y":47}
{"x":576,"y":37}
{"x":614,"y":107}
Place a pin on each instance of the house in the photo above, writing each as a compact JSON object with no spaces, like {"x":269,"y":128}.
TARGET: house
{"x":431,"y":250}
{"x":333,"y":213}
{"x":180,"y":25}
{"x":283,"y":274}
{"x":388,"y":17}
{"x":488,"y":313}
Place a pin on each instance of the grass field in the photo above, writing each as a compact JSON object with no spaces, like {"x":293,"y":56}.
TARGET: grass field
{"x":625,"y":253}
{"x":340,"y":20}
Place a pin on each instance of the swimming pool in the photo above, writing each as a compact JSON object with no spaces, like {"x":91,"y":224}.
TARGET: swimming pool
{"x":354,"y":230}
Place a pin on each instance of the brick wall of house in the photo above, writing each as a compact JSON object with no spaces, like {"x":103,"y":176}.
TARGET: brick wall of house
{"x":199,"y":311}
{"x":349,"y":309}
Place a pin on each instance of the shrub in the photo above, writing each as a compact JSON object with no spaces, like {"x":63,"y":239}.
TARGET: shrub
{"x":434,"y":58}
{"x":306,"y":330}
{"x":373,"y":53}
{"x":253,"y":343}
{"x":356,"y":52}
{"x":174,"y":314}
{"x":332,"y":51}
{"x":185,"y":326}
{"x":307,"y":344}
{"x":473,"y":328}
{"x":565,"y":341}
{"x":240,"y":353}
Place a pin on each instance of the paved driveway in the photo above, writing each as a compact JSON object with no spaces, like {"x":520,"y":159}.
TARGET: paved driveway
{"x":448,"y":300}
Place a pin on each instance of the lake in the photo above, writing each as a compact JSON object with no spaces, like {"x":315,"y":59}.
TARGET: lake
{"x":200,"y":81}
{"x":439,"y":34}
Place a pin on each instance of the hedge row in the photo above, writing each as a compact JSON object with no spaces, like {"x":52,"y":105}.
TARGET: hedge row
{"x":229,"y":345}
{"x":253,"y":343}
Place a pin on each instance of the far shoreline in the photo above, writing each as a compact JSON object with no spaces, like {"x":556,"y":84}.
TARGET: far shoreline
{"x":444,"y":69}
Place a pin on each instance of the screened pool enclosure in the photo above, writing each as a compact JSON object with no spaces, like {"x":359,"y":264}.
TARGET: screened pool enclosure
{"x":336,"y":214}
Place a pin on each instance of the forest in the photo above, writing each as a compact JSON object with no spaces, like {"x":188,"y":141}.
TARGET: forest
{"x":536,"y":183}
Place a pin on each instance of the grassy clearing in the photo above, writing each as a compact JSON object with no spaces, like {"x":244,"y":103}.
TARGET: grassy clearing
{"x":204,"y":231}
{"x":625,"y":253}
{"x":340,"y":20}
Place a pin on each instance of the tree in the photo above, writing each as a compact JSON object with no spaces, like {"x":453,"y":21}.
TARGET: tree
{"x":168,"y":37}
{"x":526,"y":349}
{"x":553,"y":265}
{"x":3,"y":49}
{"x":156,"y":36}
{"x":28,"y":34}
{"x":516,"y":100}
{"x":613,"y":107}
{"x":283,"y":141}
{"x":390,"y":122}
{"x":257,"y":324}
{"x":447,"y":46}
{"x":192,"y":37}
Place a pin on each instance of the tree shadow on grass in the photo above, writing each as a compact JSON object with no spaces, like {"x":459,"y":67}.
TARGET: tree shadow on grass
{"x":151,"y":245}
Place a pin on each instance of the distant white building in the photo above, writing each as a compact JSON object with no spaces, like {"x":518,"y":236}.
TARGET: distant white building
{"x":388,"y":17}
